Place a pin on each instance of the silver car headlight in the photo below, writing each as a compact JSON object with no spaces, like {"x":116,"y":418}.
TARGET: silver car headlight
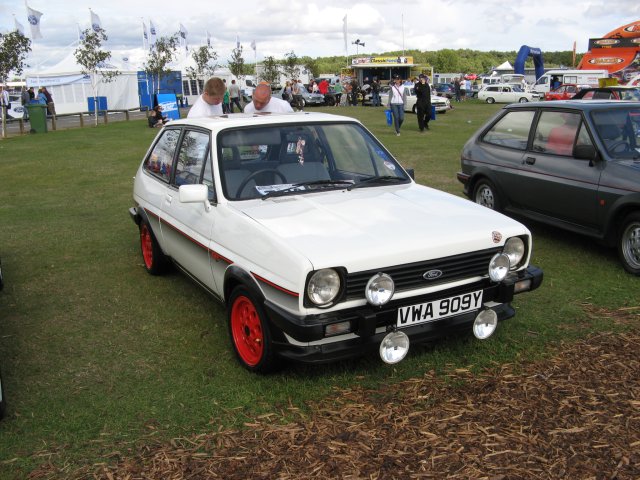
{"x":514,"y":249}
{"x":380,"y":289}
{"x":323,"y":287}
{"x":499,"y":267}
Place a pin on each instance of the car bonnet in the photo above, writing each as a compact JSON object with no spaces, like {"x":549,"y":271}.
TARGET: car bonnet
{"x":373,"y":227}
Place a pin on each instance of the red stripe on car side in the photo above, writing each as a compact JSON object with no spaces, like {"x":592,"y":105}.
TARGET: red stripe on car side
{"x":215,"y":255}
{"x":278,"y":287}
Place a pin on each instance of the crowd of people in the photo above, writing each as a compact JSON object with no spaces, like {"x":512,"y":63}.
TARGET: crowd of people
{"x":217,"y":99}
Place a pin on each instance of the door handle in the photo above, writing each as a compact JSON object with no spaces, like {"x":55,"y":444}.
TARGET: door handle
{"x":168,"y":199}
{"x":530,"y":160}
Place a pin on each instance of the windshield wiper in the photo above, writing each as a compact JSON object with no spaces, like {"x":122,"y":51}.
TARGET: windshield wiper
{"x":301,"y":187}
{"x":378,"y":178}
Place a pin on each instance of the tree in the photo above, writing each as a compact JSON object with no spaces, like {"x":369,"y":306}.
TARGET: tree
{"x":93,"y":61}
{"x":291,"y":67}
{"x":270,"y":70}
{"x":160,"y":55}
{"x":236,"y":62}
{"x":312,"y":66}
{"x":203,"y":56}
{"x":14,"y":48}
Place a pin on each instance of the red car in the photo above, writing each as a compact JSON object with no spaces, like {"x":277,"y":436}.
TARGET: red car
{"x":563,"y":92}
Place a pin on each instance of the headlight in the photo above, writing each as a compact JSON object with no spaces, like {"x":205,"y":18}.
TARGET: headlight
{"x":380,"y":289}
{"x":499,"y":267}
{"x":323,"y":287}
{"x":514,"y":249}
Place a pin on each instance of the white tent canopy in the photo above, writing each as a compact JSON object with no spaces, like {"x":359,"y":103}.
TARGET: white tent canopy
{"x":71,"y":89}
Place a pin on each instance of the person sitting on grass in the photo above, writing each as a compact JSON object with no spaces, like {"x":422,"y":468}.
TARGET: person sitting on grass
{"x":156,"y":119}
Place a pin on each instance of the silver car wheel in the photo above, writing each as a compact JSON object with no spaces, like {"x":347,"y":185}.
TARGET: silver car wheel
{"x":630,"y":245}
{"x":485,"y":196}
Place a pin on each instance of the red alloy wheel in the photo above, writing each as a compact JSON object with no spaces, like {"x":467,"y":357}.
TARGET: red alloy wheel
{"x":246,"y":329}
{"x":146,"y":242}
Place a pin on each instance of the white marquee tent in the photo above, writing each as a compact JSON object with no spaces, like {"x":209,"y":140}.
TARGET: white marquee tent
{"x":71,"y":89}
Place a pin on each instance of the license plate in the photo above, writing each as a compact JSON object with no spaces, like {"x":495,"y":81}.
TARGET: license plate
{"x":446,"y":307}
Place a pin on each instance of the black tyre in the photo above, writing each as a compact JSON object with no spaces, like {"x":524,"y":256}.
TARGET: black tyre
{"x":523,"y":100}
{"x":629,"y":243}
{"x":485,"y":194}
{"x":491,"y":100}
{"x":250,"y":333}
{"x":155,"y":261}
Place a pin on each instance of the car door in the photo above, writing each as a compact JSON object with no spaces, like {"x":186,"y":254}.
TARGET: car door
{"x":560,"y":185}
{"x":187,"y":227}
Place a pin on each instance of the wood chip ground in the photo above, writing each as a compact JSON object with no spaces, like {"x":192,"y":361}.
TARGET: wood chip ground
{"x":575,"y":415}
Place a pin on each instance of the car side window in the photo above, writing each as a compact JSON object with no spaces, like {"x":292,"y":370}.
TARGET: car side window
{"x":192,"y":156}
{"x":512,"y":130}
{"x":160,"y":160}
{"x":556,"y":133}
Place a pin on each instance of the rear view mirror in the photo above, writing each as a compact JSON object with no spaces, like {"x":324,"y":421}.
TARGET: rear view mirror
{"x":197,"y":193}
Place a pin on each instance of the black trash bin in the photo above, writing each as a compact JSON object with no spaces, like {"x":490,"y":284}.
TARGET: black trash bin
{"x":37,"y":117}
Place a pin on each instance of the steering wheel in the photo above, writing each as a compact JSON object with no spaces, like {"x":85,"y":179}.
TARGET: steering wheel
{"x":253,"y":175}
{"x":614,"y":147}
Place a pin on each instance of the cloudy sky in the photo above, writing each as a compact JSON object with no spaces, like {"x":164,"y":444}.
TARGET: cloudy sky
{"x":312,"y":28}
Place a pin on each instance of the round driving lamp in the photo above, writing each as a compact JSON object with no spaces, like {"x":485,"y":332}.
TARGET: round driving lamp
{"x":514,"y":249}
{"x":380,"y":289}
{"x":394,"y":347}
{"x":323,"y":287}
{"x":485,"y":324}
{"x":499,"y":267}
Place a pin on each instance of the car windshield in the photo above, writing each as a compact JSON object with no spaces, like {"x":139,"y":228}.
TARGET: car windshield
{"x":276,"y":160}
{"x":619,"y":130}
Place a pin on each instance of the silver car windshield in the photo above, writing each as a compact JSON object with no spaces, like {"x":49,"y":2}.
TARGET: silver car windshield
{"x":268,"y":161}
{"x":619,"y":130}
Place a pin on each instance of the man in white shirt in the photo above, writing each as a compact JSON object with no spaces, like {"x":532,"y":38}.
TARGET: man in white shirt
{"x":262,"y":102}
{"x":210,"y":102}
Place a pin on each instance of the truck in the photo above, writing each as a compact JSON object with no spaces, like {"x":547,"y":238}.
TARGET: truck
{"x":553,"y":78}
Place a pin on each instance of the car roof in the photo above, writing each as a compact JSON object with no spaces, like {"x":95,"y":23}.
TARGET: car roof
{"x":576,"y":104}
{"x":235,"y":120}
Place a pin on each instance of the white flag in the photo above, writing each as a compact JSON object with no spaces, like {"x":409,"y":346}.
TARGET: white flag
{"x":18,"y":25}
{"x":183,"y":37}
{"x":145,"y":36}
{"x":95,"y":21}
{"x":152,"y":32}
{"x":34,"y":22}
{"x":344,"y":31}
{"x":253,"y":45}
{"x":81,"y":36}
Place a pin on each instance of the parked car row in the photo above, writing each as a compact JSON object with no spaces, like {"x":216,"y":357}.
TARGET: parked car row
{"x":281,"y":218}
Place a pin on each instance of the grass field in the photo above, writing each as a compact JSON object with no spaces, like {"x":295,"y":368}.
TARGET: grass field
{"x":99,"y":357}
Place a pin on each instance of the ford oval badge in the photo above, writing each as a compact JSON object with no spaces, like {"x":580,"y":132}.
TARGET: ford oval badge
{"x":432,"y":274}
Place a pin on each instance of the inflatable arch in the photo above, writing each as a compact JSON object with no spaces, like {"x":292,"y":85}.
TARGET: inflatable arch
{"x":523,"y":53}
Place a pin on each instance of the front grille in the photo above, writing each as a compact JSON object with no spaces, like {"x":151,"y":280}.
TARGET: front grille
{"x":410,"y":275}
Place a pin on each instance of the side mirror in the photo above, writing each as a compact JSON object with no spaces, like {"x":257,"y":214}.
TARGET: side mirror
{"x":586,"y":152}
{"x":411,"y":172}
{"x":195,"y":194}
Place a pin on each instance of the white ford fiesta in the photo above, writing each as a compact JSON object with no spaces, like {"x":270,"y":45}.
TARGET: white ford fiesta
{"x":318,"y":242}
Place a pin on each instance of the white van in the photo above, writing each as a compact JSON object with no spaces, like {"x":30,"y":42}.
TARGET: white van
{"x":579,"y":77}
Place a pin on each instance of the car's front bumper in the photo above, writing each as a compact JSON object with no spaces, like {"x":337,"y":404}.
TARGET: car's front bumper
{"x":304,"y":339}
